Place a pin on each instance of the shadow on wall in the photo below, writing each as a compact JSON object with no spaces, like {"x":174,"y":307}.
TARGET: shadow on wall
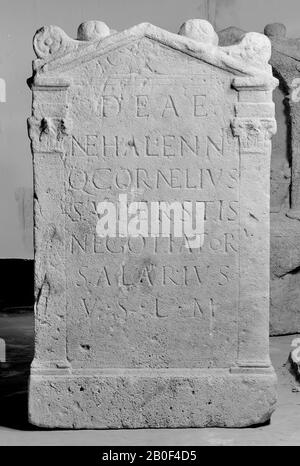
{"x":17,"y":284}
{"x":24,"y":199}
{"x":17,"y":333}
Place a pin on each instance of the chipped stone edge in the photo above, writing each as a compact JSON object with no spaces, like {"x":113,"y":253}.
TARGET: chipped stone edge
{"x":294,"y":357}
{"x":187,"y":398}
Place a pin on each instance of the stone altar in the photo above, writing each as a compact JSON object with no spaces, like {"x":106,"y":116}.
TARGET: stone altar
{"x":151,"y":330}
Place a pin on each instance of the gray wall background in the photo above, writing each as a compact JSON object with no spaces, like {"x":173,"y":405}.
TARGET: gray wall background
{"x":19,"y":19}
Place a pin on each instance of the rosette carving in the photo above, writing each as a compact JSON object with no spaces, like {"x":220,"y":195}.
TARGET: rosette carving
{"x":51,"y":41}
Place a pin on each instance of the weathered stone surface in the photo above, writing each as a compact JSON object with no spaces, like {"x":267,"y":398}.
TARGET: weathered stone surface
{"x":285,"y":276}
{"x":231,"y":35}
{"x":151,"y":331}
{"x":295,"y":358}
{"x":166,"y":398}
{"x":285,"y":185}
{"x":92,"y":30}
{"x":200,"y":30}
{"x":285,"y":62}
{"x":285,"y":201}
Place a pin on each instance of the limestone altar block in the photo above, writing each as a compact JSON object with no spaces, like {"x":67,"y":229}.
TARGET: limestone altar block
{"x":154,"y":322}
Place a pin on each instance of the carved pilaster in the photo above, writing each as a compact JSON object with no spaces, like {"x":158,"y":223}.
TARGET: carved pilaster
{"x":254,"y":125}
{"x":49,"y":130}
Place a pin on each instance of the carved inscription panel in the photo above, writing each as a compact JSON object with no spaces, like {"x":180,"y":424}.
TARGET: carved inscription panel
{"x":146,"y":130}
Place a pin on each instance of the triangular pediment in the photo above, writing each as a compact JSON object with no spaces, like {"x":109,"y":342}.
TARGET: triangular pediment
{"x":57,"y":53}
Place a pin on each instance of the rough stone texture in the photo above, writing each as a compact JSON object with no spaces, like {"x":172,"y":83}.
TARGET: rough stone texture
{"x":154,"y":398}
{"x":231,"y":35}
{"x":285,"y":182}
{"x":294,"y":358}
{"x":285,"y":186}
{"x":147,"y":332}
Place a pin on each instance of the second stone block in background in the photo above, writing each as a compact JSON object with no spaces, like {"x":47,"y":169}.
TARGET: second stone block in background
{"x":285,"y":179}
